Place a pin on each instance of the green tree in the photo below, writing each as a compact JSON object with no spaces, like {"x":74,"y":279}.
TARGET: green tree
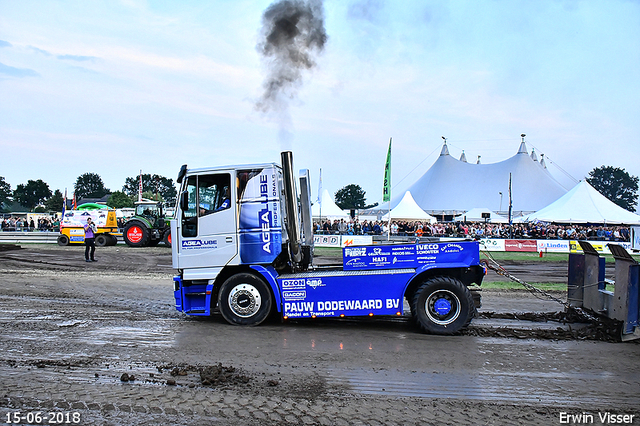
{"x":615,"y":184}
{"x":5,"y":193}
{"x":352,"y":197}
{"x":90,"y":185}
{"x":119,"y":200}
{"x":33,"y":193}
{"x":54,"y":204}
{"x":154,"y":184}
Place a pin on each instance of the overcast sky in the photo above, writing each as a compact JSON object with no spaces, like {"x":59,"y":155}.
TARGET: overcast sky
{"x":113,"y":87}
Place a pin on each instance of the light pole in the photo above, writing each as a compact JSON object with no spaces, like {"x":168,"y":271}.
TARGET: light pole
{"x":500,"y":200}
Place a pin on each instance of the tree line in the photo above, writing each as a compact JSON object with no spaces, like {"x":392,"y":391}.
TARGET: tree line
{"x":614,"y":183}
{"x":36,"y":195}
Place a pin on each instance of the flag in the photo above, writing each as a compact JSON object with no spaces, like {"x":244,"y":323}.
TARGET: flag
{"x":74,"y":203}
{"x":319,"y":200}
{"x":386,"y":187}
{"x":64,"y":203}
{"x":140,"y":187}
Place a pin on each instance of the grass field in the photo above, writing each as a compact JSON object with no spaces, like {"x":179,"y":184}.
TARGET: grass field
{"x":497,"y":255}
{"x":527,"y":257}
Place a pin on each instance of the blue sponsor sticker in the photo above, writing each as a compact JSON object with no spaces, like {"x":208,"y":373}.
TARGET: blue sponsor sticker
{"x":198,"y":244}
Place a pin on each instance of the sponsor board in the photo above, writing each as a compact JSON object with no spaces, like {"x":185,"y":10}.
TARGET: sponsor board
{"x":345,"y":295}
{"x":407,"y":255}
{"x":553,"y":246}
{"x":326,"y":240}
{"x":635,"y":237}
{"x":356,"y":240}
{"x":521,"y":245}
{"x":492,"y":244}
{"x":599,"y":246}
{"x":259,"y":217}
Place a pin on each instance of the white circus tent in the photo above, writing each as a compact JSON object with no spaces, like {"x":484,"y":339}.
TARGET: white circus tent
{"x":408,"y":209}
{"x":451,"y":186}
{"x":584,"y":204}
{"x":328,"y":208}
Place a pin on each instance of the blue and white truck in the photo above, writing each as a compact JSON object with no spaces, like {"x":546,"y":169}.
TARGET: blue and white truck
{"x":244,"y":246}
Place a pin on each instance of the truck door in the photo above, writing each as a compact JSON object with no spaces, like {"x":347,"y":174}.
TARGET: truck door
{"x":208,"y":232}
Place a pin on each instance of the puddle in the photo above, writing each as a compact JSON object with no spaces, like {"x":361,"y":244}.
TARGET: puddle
{"x":529,"y":387}
{"x":131,"y":336}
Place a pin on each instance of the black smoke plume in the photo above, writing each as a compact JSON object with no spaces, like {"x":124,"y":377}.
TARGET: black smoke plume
{"x":292,"y":36}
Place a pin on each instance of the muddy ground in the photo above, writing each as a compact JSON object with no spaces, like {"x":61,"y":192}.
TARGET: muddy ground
{"x":104,"y":340}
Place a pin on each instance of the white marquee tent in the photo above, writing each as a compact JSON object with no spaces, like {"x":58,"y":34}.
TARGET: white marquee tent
{"x":584,"y":204}
{"x":328,"y":208}
{"x":408,"y":209}
{"x":451,"y":186}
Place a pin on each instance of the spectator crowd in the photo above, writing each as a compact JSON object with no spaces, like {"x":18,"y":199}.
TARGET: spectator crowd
{"x":20,"y":224}
{"x":413,"y":229}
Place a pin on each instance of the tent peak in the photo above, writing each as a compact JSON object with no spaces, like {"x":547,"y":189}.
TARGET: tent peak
{"x":463,"y":157}
{"x":445,"y":150}
{"x":523,"y":146}
{"x":534,"y":157}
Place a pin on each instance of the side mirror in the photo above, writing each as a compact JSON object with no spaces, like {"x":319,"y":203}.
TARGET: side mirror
{"x":184,"y":201}
{"x":181,"y":173}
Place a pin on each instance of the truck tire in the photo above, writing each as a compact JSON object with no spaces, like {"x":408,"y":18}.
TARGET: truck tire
{"x":112,"y":241}
{"x":166,"y":238}
{"x":135,"y":234}
{"x":101,"y":240}
{"x":245,"y":299}
{"x":63,"y":240}
{"x":442,"y":305}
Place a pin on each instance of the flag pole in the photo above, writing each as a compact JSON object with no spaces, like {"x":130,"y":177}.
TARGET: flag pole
{"x":386,"y":190}
{"x":320,"y":198}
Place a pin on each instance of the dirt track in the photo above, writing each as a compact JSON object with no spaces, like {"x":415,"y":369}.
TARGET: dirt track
{"x":72,"y":330}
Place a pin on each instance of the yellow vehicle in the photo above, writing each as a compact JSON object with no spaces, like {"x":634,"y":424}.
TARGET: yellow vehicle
{"x":73,"y":221}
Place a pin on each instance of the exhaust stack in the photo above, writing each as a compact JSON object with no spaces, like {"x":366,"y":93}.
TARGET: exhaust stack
{"x":291,"y":205}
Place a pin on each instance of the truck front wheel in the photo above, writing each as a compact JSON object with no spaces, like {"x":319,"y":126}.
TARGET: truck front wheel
{"x":244,"y":299}
{"x":442,"y":305}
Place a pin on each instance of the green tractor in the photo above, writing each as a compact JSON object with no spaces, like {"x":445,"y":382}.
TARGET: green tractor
{"x":148,"y":227}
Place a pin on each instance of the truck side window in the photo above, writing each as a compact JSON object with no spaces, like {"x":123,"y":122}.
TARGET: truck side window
{"x":207,"y":194}
{"x":189,"y":217}
{"x":213,"y":193}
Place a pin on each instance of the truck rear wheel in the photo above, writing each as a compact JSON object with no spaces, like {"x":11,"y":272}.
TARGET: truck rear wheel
{"x":245,"y":299}
{"x":63,"y":240}
{"x":112,"y":241}
{"x":101,"y":240}
{"x":442,"y":305}
{"x":135,"y":234}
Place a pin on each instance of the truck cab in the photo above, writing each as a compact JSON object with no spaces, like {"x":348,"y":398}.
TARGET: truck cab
{"x":243,"y":244}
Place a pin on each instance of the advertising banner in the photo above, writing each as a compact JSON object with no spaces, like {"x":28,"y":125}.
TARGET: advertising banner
{"x":330,"y":295}
{"x":635,"y":237}
{"x":492,"y":244}
{"x":599,"y":246}
{"x":409,"y":255}
{"x":553,"y":246}
{"x":326,"y":240}
{"x":356,"y":240}
{"x":520,"y":245}
{"x":260,"y":221}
